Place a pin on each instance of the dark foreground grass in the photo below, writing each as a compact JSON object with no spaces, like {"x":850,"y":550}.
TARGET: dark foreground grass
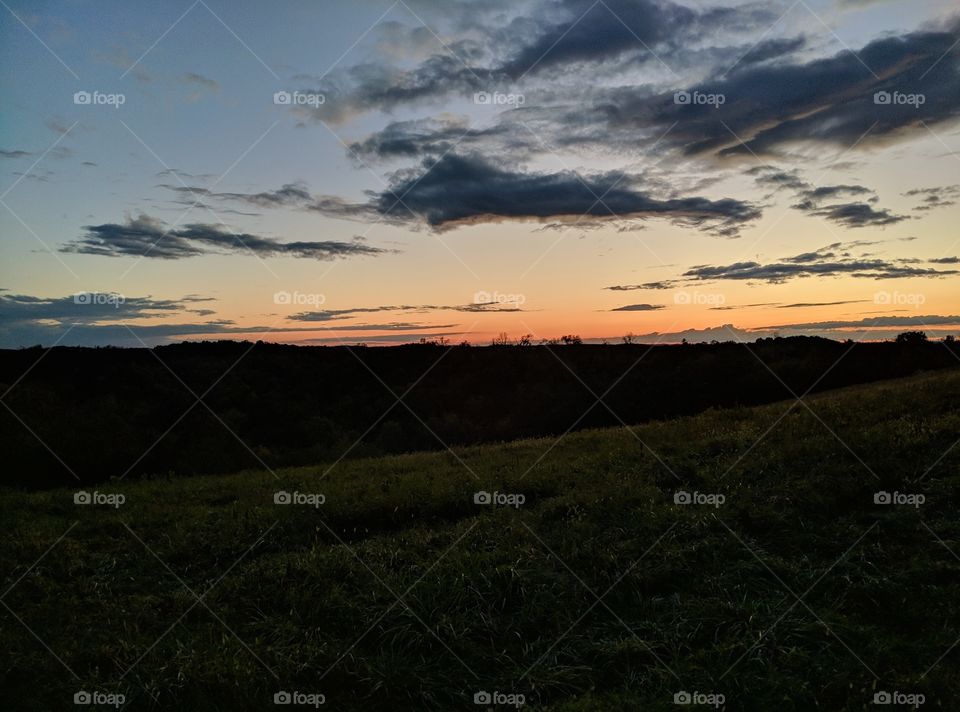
{"x":599,"y":592}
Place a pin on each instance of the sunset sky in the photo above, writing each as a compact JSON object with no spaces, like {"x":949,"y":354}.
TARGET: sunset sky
{"x":367,"y":171}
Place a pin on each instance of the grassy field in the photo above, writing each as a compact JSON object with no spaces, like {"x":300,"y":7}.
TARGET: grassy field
{"x":794,"y":590}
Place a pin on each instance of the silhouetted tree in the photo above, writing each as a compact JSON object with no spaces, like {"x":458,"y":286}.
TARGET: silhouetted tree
{"x":912,"y":337}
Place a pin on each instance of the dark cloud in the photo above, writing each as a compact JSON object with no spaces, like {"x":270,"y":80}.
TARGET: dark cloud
{"x":858,"y":215}
{"x":544,"y":38}
{"x":384,"y":87}
{"x":815,"y":196}
{"x":600,"y":32}
{"x":839,"y":258}
{"x":176,"y":172}
{"x":771,"y":100}
{"x":779,"y":272}
{"x":288,"y":195}
{"x":666,"y":284}
{"x":936,"y":197}
{"x":390,"y":326}
{"x":804,"y":305}
{"x":732,"y":307}
{"x":147,"y":237}
{"x":769,"y":177}
{"x":771,"y":106}
{"x":468,"y":189}
{"x":812,"y":199}
{"x":873,"y":321}
{"x":832,"y":100}
{"x":772,"y":49}
{"x":640,"y":307}
{"x":15,"y":154}
{"x":87,"y":308}
{"x":339,"y":314}
{"x":434,"y":136}
{"x":100,"y":318}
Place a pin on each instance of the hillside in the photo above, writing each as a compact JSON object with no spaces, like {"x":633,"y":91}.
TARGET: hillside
{"x":599,"y":590}
{"x":109,"y":413}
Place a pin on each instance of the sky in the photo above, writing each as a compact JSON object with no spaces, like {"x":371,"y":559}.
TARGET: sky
{"x":380,"y":172}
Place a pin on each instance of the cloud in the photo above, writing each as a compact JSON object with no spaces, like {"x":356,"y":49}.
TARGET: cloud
{"x":100,"y":318}
{"x":288,"y":195}
{"x":828,"y":100}
{"x":145,"y":236}
{"x":665,"y":284}
{"x":640,"y":307}
{"x":183,"y":174}
{"x":731,"y":307}
{"x":15,"y":154}
{"x":780,"y":272}
{"x":839,"y":258}
{"x":339,"y":314}
{"x":432,"y":136}
{"x":873,"y":322}
{"x":769,"y":106}
{"x":804,"y":305}
{"x":458,"y":190}
{"x":87,"y":308}
{"x":811,"y":199}
{"x":468,"y":189}
{"x":937,"y":197}
{"x":200,"y":81}
{"x":547,"y":38}
{"x":623,"y":25}
{"x":858,"y":215}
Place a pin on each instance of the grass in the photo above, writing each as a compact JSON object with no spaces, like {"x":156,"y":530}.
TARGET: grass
{"x":598,"y":592}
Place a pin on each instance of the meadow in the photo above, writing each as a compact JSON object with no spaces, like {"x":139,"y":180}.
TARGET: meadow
{"x":790,"y":556}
